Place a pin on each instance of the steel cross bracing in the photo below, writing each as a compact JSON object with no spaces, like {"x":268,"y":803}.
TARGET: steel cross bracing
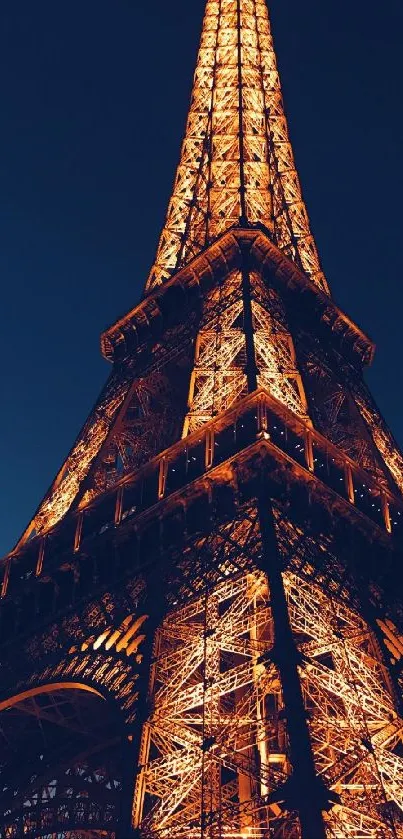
{"x":67,"y":784}
{"x":133,"y":419}
{"x":341,"y":405}
{"x":215,"y":753}
{"x":141,"y":409}
{"x":236,"y":161}
{"x":210,"y":763}
{"x":219,"y":529}
{"x":356,"y":734}
{"x":79,"y":803}
{"x":219,"y":374}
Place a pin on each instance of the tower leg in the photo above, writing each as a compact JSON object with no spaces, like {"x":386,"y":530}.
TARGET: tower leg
{"x":136,"y":744}
{"x":306,"y":794}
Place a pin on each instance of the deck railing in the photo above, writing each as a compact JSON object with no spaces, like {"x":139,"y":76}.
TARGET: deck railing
{"x":256,"y":416}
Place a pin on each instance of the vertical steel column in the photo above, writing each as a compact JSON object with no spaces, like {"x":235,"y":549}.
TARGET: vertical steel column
{"x":251,"y":367}
{"x":306,"y":793}
{"x":154,"y":606}
{"x":242,"y":185}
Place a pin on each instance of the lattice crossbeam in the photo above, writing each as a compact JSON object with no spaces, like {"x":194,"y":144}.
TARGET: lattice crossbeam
{"x":236,"y":160}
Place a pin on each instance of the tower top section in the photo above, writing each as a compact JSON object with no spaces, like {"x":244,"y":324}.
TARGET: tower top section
{"x":236,"y":166}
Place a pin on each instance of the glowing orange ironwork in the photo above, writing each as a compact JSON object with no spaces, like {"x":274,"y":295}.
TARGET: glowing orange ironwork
{"x":219,"y":379}
{"x":236,"y":164}
{"x":281,"y":445}
{"x":217,"y":733}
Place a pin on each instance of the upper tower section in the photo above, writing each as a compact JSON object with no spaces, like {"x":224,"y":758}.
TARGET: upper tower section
{"x":236,"y":165}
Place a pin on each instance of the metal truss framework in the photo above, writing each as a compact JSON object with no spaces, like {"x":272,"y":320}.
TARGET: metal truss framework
{"x":236,"y":571}
{"x":381,"y":435}
{"x":341,"y":406}
{"x":134,"y":418}
{"x":67,"y":483}
{"x":68,"y":784}
{"x":141,"y":409}
{"x":219,"y":374}
{"x":69,"y":715}
{"x":215,"y":756}
{"x":236,"y":162}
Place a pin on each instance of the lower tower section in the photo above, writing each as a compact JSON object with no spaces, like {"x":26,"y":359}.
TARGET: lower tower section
{"x":222,"y":752}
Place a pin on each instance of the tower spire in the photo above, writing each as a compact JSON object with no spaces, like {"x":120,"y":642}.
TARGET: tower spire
{"x":236,"y":165}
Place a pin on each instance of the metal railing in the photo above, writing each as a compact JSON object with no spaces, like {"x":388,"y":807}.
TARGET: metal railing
{"x":257,"y":416}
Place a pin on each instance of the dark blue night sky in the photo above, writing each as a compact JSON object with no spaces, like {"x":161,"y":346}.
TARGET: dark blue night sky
{"x":93,"y":101}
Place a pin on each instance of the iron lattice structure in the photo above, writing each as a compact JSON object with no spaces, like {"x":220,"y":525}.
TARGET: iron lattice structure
{"x":236,"y":160}
{"x":201,"y":630}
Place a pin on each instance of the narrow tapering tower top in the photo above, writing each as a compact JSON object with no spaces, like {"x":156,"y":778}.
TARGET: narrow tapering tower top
{"x":236,"y":165}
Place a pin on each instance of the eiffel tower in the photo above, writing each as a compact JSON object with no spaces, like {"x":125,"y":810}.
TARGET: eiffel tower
{"x":200,"y":625}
